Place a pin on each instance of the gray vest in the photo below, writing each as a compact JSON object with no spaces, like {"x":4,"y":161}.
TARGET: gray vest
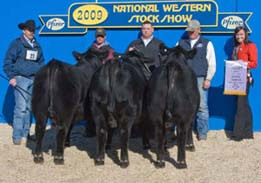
{"x":199,"y":63}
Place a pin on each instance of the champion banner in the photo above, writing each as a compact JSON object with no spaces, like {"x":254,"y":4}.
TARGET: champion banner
{"x":235,"y":77}
{"x":163,"y":14}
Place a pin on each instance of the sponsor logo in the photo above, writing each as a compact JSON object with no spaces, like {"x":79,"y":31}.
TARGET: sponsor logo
{"x":55,"y":24}
{"x":231,"y":22}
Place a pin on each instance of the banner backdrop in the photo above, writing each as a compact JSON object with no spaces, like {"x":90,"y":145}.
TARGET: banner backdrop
{"x":163,"y":14}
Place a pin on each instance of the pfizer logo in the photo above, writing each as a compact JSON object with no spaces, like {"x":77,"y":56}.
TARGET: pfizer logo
{"x":55,"y":24}
{"x":231,"y":22}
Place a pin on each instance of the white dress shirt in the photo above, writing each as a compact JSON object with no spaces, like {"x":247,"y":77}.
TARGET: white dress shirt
{"x":146,"y":41}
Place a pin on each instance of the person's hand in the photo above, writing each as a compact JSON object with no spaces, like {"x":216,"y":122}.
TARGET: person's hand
{"x":12,"y":82}
{"x":131,"y":48}
{"x":206,"y":84}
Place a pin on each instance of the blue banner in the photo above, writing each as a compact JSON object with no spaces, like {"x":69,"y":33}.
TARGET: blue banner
{"x":162,"y":14}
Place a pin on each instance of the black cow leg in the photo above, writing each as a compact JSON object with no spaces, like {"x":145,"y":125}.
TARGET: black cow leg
{"x":60,"y":138}
{"x":145,"y":138}
{"x":160,"y":163}
{"x":67,"y":141}
{"x":125,"y":134}
{"x":146,"y":143}
{"x":189,"y":142}
{"x":101,"y":134}
{"x":109,"y":139}
{"x":39,"y":133}
{"x":181,"y":130}
{"x":90,"y":129}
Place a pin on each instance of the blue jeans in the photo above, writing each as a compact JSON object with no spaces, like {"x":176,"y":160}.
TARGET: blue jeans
{"x":202,"y":114}
{"x":22,"y":109}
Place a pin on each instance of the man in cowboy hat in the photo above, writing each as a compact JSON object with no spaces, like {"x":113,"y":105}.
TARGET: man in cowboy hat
{"x":23,"y":59}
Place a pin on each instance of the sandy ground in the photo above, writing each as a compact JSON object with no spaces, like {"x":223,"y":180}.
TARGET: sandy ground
{"x":216,"y":160}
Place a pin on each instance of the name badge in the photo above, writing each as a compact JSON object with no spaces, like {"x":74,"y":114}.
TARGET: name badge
{"x":200,"y":45}
{"x":31,"y":55}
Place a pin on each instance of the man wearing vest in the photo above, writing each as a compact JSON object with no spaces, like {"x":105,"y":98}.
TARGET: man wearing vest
{"x":204,"y":66}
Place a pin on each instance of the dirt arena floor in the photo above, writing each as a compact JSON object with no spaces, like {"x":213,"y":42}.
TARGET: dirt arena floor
{"x":218,"y":160}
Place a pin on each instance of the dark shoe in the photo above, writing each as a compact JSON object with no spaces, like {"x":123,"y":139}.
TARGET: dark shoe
{"x":19,"y":142}
{"x":238,"y":139}
{"x":201,"y":137}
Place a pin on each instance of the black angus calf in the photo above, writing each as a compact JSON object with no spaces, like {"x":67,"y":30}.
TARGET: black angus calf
{"x":60,"y":93}
{"x":172,"y":96}
{"x":117,"y":90}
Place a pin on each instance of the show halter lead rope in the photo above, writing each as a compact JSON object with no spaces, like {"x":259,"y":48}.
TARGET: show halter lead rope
{"x":17,"y":87}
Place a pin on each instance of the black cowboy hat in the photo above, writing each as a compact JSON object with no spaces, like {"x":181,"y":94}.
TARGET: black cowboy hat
{"x":29,"y":25}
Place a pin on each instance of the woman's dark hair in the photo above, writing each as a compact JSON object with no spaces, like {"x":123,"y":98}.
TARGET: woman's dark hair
{"x":239,"y":28}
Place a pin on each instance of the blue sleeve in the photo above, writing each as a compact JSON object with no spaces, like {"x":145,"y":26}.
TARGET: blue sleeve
{"x":41,"y":59}
{"x":10,"y":59}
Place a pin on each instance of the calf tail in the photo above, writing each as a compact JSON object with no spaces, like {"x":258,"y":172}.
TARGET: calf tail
{"x":111,"y":82}
{"x":170,"y":93}
{"x":53,"y":69}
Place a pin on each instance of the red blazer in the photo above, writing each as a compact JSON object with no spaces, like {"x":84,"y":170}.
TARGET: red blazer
{"x":248,"y":53}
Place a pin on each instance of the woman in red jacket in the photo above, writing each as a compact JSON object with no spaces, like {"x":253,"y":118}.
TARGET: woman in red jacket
{"x":244,"y":50}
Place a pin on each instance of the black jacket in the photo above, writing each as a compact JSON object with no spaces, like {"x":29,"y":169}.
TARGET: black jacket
{"x":151,"y":52}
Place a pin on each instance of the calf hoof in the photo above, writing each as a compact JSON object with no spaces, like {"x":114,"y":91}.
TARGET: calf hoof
{"x":38,"y":159}
{"x":124,"y":163}
{"x":190,"y":147}
{"x":99,"y":161}
{"x":58,"y":160}
{"x":159,"y":164}
{"x":181,"y":164}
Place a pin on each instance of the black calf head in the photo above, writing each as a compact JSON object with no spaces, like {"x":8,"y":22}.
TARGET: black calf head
{"x":77,"y":56}
{"x":177,"y":52}
{"x":87,"y":57}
